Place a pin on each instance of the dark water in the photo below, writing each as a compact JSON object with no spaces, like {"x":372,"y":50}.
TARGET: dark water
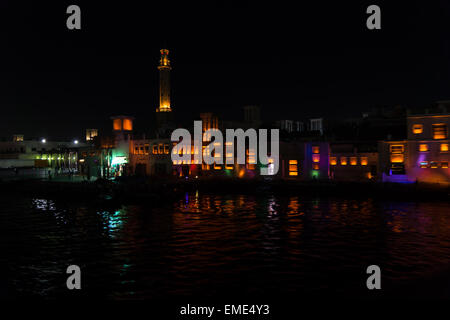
{"x":218,"y":245}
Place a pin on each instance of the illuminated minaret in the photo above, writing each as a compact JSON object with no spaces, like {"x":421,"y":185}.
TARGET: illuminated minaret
{"x":164,"y":123}
{"x":164,"y":82}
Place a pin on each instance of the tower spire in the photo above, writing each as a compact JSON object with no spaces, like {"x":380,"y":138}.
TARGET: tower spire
{"x":164,"y":82}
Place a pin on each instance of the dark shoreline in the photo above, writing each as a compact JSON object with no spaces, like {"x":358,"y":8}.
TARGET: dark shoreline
{"x":157,"y":192}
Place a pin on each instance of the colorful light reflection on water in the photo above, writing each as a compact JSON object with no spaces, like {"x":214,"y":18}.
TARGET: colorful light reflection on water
{"x":207,"y":244}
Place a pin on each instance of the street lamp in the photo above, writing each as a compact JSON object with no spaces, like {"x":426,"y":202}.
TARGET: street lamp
{"x":43,"y":140}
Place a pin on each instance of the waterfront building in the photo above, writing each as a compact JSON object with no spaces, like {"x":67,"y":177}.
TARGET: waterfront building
{"x":304,"y":161}
{"x":353,"y":161}
{"x":423,"y":156}
{"x":151,"y":157}
{"x":35,"y":157}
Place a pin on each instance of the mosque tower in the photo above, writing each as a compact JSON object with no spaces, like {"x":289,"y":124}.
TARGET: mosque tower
{"x":164,"y":82}
{"x":164,"y":110}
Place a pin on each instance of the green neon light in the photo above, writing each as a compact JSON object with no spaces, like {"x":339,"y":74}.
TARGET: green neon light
{"x":119,"y":160}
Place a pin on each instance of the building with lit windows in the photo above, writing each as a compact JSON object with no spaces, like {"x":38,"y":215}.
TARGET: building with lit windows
{"x":151,"y":157}
{"x":423,"y":156}
{"x":352,"y":161}
{"x":304,"y":161}
{"x":36,"y":157}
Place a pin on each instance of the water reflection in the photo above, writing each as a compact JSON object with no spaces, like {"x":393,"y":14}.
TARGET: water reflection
{"x":207,"y":244}
{"x":113,"y":221}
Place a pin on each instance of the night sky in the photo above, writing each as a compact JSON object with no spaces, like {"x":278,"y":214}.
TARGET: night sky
{"x":292,"y":59}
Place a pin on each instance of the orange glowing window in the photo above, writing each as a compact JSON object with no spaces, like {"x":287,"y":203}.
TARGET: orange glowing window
{"x":117,"y":124}
{"x":424,"y":164}
{"x":364,"y":161}
{"x":397,"y":158}
{"x":315,"y":149}
{"x":397,"y":148}
{"x":315,"y":166}
{"x":316,"y":157}
{"x":333,"y":161}
{"x":166,"y":149}
{"x":155,"y":149}
{"x":127,"y":125}
{"x":433,"y":164}
{"x":217,"y":167}
{"x":417,"y":128}
{"x":293,"y":168}
{"x":343,"y":161}
{"x":423,"y":147}
{"x":440,"y":131}
{"x":444,"y":164}
{"x":136,"y":150}
{"x":251,"y":158}
{"x":160,"y":148}
{"x":353,"y":161}
{"x":444,"y":147}
{"x":229,"y":167}
{"x":147,"y":148}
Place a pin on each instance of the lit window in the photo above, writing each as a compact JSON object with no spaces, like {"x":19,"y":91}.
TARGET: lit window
{"x":423,"y":147}
{"x":166,"y":149}
{"x":271,"y":167}
{"x":433,"y":164}
{"x":160,"y":148}
{"x":316,"y":157}
{"x":229,"y":159}
{"x":399,"y":148}
{"x":444,"y":164}
{"x":155,"y":149}
{"x":333,"y":161}
{"x":315,"y":149}
{"x":315,"y":166}
{"x":117,"y":124}
{"x":251,"y":159}
{"x":353,"y":161}
{"x":440,"y":131}
{"x":127,"y":125}
{"x":217,"y":167}
{"x":397,"y":158}
{"x":141,"y":150}
{"x":251,"y":156}
{"x":147,"y":148}
{"x":364,"y":161}
{"x":417,"y":128}
{"x":343,"y":161}
{"x":136,"y":150}
{"x":293,"y":169}
{"x":444,"y":147}
{"x":424,"y":164}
